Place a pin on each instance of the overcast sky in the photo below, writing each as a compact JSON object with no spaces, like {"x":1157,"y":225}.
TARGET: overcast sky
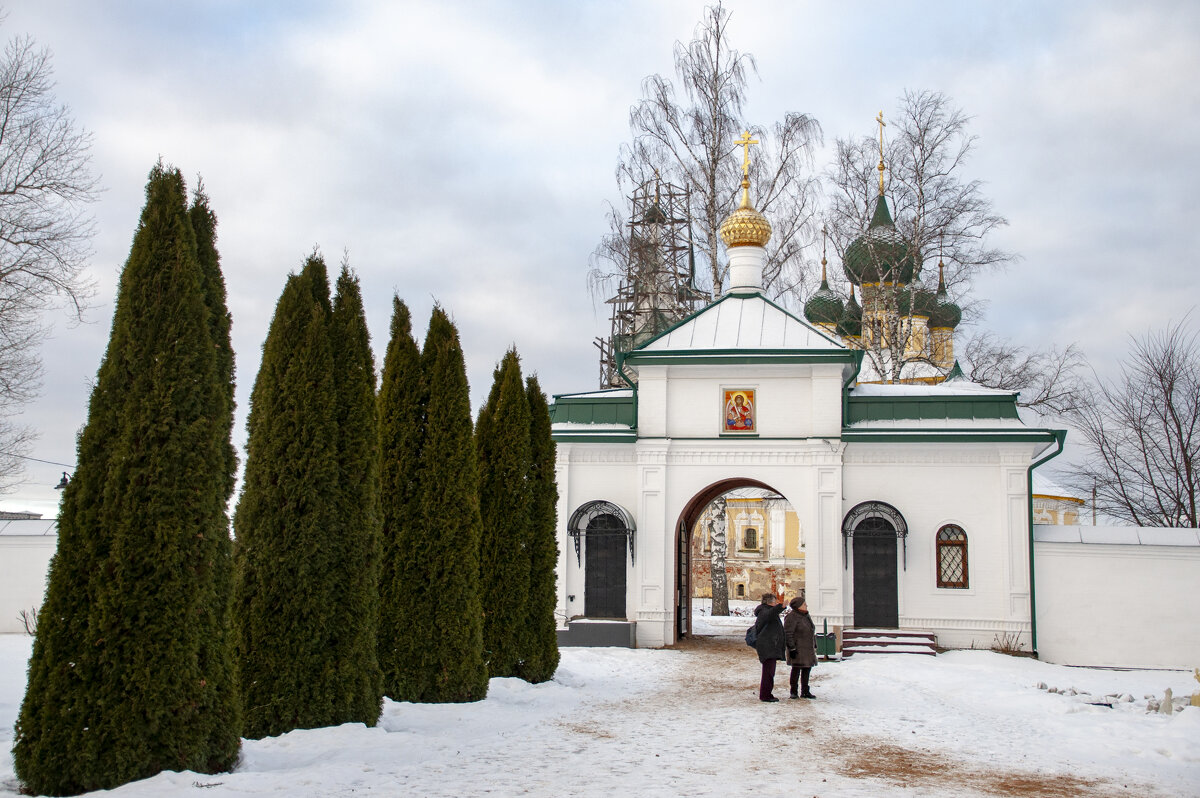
{"x":463,"y":152}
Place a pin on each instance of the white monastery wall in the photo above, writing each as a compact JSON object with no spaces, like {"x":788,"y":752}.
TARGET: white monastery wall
{"x":24,"y":565}
{"x":1119,"y":604}
{"x":979,"y":487}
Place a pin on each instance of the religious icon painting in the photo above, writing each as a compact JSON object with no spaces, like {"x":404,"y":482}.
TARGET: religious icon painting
{"x":739,"y":416}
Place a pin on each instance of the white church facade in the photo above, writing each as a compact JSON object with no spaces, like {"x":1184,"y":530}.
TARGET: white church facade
{"x":912,"y":500}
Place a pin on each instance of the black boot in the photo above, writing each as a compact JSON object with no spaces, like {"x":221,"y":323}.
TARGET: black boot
{"x":805,"y":694}
{"x":794,"y":694}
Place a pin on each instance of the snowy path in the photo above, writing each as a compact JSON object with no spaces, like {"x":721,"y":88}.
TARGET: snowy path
{"x":686,"y":722}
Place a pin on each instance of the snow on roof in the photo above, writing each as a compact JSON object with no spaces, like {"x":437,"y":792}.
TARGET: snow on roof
{"x":948,"y":388}
{"x":941,"y":423}
{"x":1044,"y":486}
{"x":566,"y":426}
{"x":35,"y":527}
{"x":742,"y":322}
{"x":1116,"y":535}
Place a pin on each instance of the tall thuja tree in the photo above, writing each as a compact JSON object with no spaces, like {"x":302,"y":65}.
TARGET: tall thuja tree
{"x":404,"y":625}
{"x":539,"y":657}
{"x":448,"y":517}
{"x":130,"y":672}
{"x":287,"y":521}
{"x":204,"y":225}
{"x":502,"y":441}
{"x":355,"y":580}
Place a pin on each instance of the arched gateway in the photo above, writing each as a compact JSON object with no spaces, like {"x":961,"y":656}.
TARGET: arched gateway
{"x":743,"y":393}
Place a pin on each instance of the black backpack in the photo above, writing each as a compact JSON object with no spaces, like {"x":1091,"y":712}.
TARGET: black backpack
{"x":752,"y":635}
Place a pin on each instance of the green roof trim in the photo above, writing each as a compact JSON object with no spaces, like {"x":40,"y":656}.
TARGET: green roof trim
{"x":921,"y":408}
{"x":604,"y":436}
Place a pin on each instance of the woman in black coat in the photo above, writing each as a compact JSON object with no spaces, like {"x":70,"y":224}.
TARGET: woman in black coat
{"x":768,"y":643}
{"x":800,"y":635}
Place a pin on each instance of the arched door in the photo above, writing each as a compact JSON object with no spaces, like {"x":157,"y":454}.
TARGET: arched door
{"x":875,"y":601}
{"x":875,"y":529}
{"x":604,"y":571}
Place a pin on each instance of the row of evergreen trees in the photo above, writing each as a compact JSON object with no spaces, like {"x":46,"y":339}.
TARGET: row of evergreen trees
{"x":384,"y":544}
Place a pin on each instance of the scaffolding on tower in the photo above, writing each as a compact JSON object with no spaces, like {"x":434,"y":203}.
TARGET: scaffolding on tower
{"x":656,"y":286}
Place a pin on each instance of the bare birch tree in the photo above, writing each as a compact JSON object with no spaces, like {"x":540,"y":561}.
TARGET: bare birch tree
{"x":45,"y":185}
{"x":684,"y":131}
{"x":1141,"y":433}
{"x":719,"y":551}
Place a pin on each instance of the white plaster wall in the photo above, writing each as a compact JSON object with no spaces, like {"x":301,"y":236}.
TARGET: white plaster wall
{"x":589,"y":472}
{"x":687,"y":402}
{"x":1118,"y":605}
{"x":979,"y":487}
{"x":24,"y":564}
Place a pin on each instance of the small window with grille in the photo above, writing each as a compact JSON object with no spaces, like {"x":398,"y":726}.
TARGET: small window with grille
{"x":952,"y":557}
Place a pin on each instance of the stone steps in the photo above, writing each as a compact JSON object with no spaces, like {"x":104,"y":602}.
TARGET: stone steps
{"x":888,"y":641}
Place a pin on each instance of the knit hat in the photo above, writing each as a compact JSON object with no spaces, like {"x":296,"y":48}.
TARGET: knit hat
{"x":797,"y":602}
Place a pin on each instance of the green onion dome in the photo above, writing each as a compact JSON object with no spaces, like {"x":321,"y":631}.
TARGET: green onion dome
{"x":946,"y":314}
{"x":880,"y":255}
{"x":850,"y":325}
{"x":823,"y":307}
{"x":924,"y":303}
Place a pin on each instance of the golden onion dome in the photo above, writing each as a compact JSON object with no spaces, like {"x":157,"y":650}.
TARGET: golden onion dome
{"x":745,"y":227}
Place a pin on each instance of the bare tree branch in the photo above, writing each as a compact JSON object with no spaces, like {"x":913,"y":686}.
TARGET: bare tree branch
{"x":1141,"y":433}
{"x":689,"y":141}
{"x":1049,"y":381}
{"x":45,"y":183}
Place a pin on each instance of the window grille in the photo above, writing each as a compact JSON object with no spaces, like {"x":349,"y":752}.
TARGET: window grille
{"x":952,"y":557}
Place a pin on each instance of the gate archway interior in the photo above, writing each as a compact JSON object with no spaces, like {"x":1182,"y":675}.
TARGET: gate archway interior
{"x":877,"y":531}
{"x":689,"y":546}
{"x":600,"y":532}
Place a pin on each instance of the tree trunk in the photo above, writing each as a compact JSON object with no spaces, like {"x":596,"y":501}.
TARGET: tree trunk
{"x":718,"y":549}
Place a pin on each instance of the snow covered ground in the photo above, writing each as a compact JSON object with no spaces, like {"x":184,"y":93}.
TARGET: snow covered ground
{"x":686,"y":722}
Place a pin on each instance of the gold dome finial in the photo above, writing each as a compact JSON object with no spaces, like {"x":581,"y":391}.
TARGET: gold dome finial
{"x":745,"y":226}
{"x":824,"y":236}
{"x":882,"y":125}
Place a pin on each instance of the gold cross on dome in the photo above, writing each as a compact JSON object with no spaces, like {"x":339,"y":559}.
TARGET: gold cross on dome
{"x":744,"y":142}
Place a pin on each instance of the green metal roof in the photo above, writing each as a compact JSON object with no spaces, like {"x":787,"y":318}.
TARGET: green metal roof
{"x":918,"y":408}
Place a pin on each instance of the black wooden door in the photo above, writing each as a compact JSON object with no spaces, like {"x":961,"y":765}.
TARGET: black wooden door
{"x":604,"y":573}
{"x":683,"y":583}
{"x":875,"y":601}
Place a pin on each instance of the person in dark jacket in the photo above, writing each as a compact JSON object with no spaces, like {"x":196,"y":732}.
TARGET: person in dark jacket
{"x":799,"y":633}
{"x":769,"y":642}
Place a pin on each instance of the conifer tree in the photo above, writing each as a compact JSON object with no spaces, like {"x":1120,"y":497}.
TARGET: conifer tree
{"x":287,"y":521}
{"x":540,"y":657}
{"x":404,"y":626}
{"x":448,"y":514}
{"x":355,"y":583}
{"x":130,"y":672}
{"x":502,"y":442}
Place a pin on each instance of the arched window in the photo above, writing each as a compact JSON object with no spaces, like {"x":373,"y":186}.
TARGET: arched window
{"x":750,"y":539}
{"x":741,"y":590}
{"x":952,"y":557}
